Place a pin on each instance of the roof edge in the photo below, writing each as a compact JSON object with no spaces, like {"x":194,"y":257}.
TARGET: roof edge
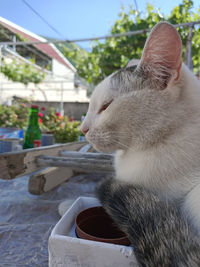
{"x":22,"y":29}
{"x":63,"y":57}
{"x":42,"y":39}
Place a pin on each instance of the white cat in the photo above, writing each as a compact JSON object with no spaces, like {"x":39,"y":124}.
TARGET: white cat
{"x":150,"y":115}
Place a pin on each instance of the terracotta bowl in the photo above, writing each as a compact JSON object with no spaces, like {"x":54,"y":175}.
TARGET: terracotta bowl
{"x":95,"y":224}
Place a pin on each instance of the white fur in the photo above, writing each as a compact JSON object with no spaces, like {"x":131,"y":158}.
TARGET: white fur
{"x":156,"y":133}
{"x":172,"y":168}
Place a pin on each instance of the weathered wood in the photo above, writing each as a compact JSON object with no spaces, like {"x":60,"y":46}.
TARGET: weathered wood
{"x":11,"y":165}
{"x":86,"y":148}
{"x":78,"y":163}
{"x":50,"y":177}
{"x":15,"y":164}
{"x":88,"y":155}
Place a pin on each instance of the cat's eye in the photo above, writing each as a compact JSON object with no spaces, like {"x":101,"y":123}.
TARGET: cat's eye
{"x":105,"y":106}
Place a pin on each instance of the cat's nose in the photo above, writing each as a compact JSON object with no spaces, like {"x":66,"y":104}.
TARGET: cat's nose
{"x":84,"y":130}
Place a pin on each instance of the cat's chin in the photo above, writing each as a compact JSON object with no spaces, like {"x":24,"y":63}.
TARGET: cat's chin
{"x":106,"y":149}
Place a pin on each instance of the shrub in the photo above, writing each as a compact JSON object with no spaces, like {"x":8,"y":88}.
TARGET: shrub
{"x":14,"y":116}
{"x":21,"y":72}
{"x":63,"y":130}
{"x":61,"y":127}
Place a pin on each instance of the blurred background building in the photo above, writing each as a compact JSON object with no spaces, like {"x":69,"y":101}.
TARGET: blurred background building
{"x":61,"y":82}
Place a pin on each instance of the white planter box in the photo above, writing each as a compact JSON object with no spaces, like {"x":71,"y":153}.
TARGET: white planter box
{"x":66,"y":250}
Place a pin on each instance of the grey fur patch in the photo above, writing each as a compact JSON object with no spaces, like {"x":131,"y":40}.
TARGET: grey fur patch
{"x":124,"y":79}
{"x":160,"y":235}
{"x":136,"y":78}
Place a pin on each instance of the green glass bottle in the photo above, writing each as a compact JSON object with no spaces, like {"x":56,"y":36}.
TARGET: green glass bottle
{"x":82,"y":136}
{"x":33,"y":134}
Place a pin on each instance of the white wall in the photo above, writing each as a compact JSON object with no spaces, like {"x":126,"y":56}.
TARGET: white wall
{"x":56,"y":87}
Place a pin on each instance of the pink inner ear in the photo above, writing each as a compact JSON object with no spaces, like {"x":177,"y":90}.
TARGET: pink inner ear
{"x":163,"y":47}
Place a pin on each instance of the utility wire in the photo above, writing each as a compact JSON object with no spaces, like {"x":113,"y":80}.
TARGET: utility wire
{"x":136,"y":5}
{"x":42,"y":18}
{"x":189,"y":24}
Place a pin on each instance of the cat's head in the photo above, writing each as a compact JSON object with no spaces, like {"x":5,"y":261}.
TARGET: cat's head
{"x":133,"y":106}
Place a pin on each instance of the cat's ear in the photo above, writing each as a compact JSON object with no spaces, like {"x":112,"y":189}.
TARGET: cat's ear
{"x":133,"y":62}
{"x":162,"y":54}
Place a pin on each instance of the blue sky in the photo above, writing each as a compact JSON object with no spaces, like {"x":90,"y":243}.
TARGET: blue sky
{"x":74,"y":18}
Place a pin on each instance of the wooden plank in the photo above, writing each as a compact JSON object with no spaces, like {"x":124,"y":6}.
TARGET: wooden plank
{"x":11,"y":165}
{"x":78,"y":163}
{"x":85,"y":148}
{"x":50,"y":177}
{"x":15,"y":164}
{"x":88,"y":155}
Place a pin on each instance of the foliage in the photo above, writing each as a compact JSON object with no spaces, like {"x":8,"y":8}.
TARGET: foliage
{"x":14,"y":116}
{"x":61,"y":127}
{"x":21,"y":72}
{"x":113,"y":54}
{"x":68,"y":133}
{"x":183,"y":14}
{"x":73,"y":52}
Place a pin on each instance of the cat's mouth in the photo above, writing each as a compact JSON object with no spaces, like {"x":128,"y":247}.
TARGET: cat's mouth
{"x":102,"y":141}
{"x":101,"y":147}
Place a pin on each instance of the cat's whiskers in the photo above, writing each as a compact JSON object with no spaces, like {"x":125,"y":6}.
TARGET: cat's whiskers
{"x":106,"y":136}
{"x":117,"y":132}
{"x":120,"y":134}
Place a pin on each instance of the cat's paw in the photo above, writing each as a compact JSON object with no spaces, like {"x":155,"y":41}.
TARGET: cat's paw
{"x":112,"y":195}
{"x":105,"y":190}
{"x":122,"y":199}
